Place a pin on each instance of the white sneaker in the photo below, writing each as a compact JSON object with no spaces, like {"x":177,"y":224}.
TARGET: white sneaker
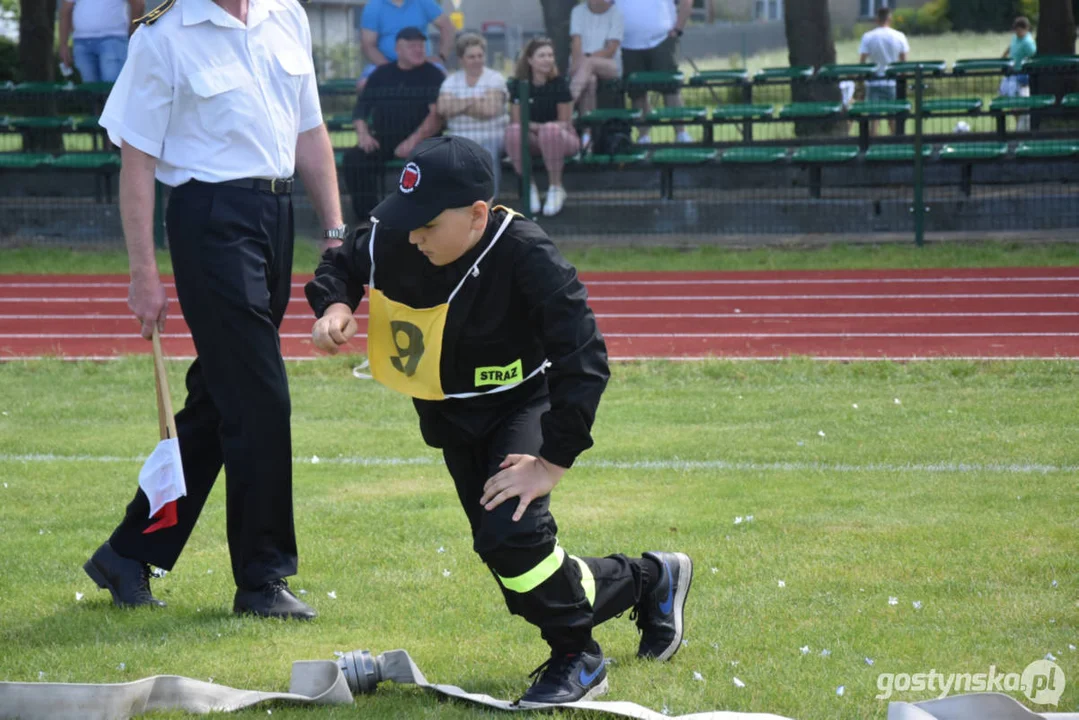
{"x":644,"y":139}
{"x":556,"y":198}
{"x":534,"y":197}
{"x":685,"y":137}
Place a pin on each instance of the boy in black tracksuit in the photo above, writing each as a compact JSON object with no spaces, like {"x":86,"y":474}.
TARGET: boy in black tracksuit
{"x":477,"y":316}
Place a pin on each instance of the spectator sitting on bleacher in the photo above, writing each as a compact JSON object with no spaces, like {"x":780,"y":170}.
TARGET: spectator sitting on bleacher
{"x":883,"y":46}
{"x":650,"y":44}
{"x":595,"y":28}
{"x":550,"y":128}
{"x":395,"y":111}
{"x":101,"y":29}
{"x":382,"y":20}
{"x":473,"y":101}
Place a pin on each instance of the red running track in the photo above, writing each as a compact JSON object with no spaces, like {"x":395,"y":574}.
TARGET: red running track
{"x":864,"y":314}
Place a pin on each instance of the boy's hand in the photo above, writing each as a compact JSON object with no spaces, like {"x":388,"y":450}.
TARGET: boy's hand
{"x":524,"y":477}
{"x":335,"y":328}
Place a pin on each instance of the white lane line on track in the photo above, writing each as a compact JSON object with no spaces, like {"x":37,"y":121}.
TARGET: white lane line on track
{"x":629,"y":336}
{"x":662,"y":298}
{"x":680,"y":282}
{"x":616,"y":358}
{"x":646,"y":465}
{"x":656,"y":316}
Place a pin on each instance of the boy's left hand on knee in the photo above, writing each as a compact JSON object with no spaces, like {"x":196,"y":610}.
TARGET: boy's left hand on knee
{"x":525,"y":477}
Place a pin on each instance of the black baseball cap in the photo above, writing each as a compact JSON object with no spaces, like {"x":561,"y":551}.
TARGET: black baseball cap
{"x":410,"y":33}
{"x":441,"y":173}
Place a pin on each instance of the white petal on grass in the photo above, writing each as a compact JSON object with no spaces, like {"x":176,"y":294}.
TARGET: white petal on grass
{"x":855,"y":406}
{"x":738,"y":683}
{"x":5,"y":485}
{"x":897,"y":402}
{"x":1054,"y":583}
{"x":840,"y":690}
{"x":441,"y":549}
{"x":315,"y":460}
{"x":332,"y":594}
{"x":804,"y":649}
{"x":825,"y":652}
{"x":917,"y":604}
{"x":738,"y":520}
{"x":698,"y":676}
{"x":749,"y":518}
{"x":302,"y":591}
{"x":40,"y":674}
{"x":446,"y":573}
{"x":715,"y":570}
{"x":79,"y":596}
{"x":338,"y":654}
{"x":821,"y":433}
{"x":869,"y":661}
{"x":893,"y":601}
{"x":1071,"y":647}
{"x":210,"y":571}
{"x":685,"y":643}
{"x":121,"y":667}
{"x":801,"y":443}
{"x":1050,"y":657}
{"x":782,"y":584}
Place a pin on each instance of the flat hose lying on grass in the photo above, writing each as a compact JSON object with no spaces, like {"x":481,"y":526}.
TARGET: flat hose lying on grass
{"x":324,"y":682}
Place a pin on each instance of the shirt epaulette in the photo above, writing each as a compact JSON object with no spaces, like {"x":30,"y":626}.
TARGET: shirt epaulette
{"x":154,"y":15}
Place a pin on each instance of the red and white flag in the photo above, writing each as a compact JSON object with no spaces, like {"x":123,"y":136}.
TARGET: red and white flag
{"x":162,"y":479}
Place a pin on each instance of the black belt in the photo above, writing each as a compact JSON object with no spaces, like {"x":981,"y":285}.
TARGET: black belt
{"x":276,"y":186}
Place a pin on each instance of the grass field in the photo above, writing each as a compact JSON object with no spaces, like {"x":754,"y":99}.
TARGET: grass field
{"x":36,"y":259}
{"x":951,"y":484}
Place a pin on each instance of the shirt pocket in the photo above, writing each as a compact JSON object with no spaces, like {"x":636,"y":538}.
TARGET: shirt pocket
{"x":221,"y":94}
{"x":297,"y":66}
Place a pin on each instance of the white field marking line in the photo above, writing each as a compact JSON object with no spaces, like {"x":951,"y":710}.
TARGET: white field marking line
{"x":672,"y":281}
{"x":666,"y":336}
{"x":663,"y":298}
{"x":650,"y":316}
{"x":622,"y":359}
{"x":685,"y":465}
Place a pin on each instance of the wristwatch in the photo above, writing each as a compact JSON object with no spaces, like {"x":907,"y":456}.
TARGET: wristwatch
{"x":338,"y":233}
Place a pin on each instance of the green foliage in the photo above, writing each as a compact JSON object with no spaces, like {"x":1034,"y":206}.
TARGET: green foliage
{"x":930,"y":19}
{"x":990,"y":15}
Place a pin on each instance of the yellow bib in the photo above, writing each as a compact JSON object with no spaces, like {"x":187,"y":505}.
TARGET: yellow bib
{"x":404,"y":344}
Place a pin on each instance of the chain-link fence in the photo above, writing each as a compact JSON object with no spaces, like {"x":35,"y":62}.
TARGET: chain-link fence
{"x":978,"y":147}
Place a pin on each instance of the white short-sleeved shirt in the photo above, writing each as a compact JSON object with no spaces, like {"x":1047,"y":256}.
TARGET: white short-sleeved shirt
{"x":883,"y":46}
{"x":214,"y":100}
{"x":470,"y":127}
{"x":595,"y":29}
{"x":99,"y":18}
{"x":647,"y":23}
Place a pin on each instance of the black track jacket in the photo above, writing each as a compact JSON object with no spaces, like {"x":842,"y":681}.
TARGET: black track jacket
{"x":527,"y":302}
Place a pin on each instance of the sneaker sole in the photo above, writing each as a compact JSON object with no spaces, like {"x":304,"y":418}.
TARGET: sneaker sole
{"x":685,"y":571}
{"x":592,"y":694}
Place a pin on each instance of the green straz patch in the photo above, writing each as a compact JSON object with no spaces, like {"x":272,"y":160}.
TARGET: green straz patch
{"x":495,"y":375}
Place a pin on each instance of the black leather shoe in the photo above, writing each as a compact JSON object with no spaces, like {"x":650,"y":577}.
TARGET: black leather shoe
{"x":128,"y":580}
{"x":273,"y":599}
{"x":659,"y":614}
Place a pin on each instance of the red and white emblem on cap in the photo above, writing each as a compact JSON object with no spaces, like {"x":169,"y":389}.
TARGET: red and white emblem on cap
{"x":410,"y":178}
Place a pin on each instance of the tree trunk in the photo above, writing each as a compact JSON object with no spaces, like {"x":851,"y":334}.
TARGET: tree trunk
{"x":37,"y":21}
{"x":1056,"y":36}
{"x":810,"y":42}
{"x":556,"y":20}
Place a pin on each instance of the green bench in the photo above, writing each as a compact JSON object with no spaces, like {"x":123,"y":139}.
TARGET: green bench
{"x":817,"y":156}
{"x":1022,"y":104}
{"x":856,"y":71}
{"x":982,"y":66}
{"x":1050,"y":63}
{"x":952,"y":106}
{"x":744,"y":114}
{"x":750,"y":155}
{"x":810,"y":110}
{"x":632,"y":158}
{"x":1070,"y":101}
{"x":1047,"y":149}
{"x":895,"y":153}
{"x":668,"y":159}
{"x":24,"y":161}
{"x":969,"y":154}
{"x":712,"y":78}
{"x":661,"y":82}
{"x":783,"y":74}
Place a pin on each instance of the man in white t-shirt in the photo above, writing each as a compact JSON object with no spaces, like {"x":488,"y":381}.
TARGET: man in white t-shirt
{"x":595,"y":28}
{"x":650,"y":44}
{"x":101,"y":29}
{"x":883,"y":46}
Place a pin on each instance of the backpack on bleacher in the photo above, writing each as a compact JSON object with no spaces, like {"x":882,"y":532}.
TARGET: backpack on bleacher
{"x":613,"y":137}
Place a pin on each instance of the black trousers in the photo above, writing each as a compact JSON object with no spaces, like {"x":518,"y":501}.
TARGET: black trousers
{"x":363,"y":172}
{"x":232,"y":257}
{"x":558,"y":605}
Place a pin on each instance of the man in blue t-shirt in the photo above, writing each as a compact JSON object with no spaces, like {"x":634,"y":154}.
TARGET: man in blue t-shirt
{"x":383,"y":19}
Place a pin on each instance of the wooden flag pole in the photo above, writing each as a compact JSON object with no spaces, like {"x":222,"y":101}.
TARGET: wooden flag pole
{"x":165,"y":419}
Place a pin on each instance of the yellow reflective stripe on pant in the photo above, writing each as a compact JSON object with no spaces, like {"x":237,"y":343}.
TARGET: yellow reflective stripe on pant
{"x":529,"y":581}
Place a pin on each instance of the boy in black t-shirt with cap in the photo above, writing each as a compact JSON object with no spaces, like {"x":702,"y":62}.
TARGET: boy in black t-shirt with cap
{"x":476,"y":315}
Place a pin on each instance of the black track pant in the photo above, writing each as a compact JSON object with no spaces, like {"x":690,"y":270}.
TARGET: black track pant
{"x":524,"y":556}
{"x":232,"y":256}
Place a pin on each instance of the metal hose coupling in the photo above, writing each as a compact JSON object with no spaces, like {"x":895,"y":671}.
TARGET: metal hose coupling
{"x":362,"y":671}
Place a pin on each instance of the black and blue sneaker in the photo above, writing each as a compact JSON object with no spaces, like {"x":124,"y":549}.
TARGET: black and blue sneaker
{"x":567,"y":678}
{"x":659,"y":614}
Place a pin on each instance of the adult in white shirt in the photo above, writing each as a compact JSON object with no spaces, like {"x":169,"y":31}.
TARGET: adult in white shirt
{"x":883,"y":46}
{"x":595,"y":28}
{"x":472,"y":101}
{"x":219,"y":101}
{"x":101,"y":29}
{"x":650,"y":44}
